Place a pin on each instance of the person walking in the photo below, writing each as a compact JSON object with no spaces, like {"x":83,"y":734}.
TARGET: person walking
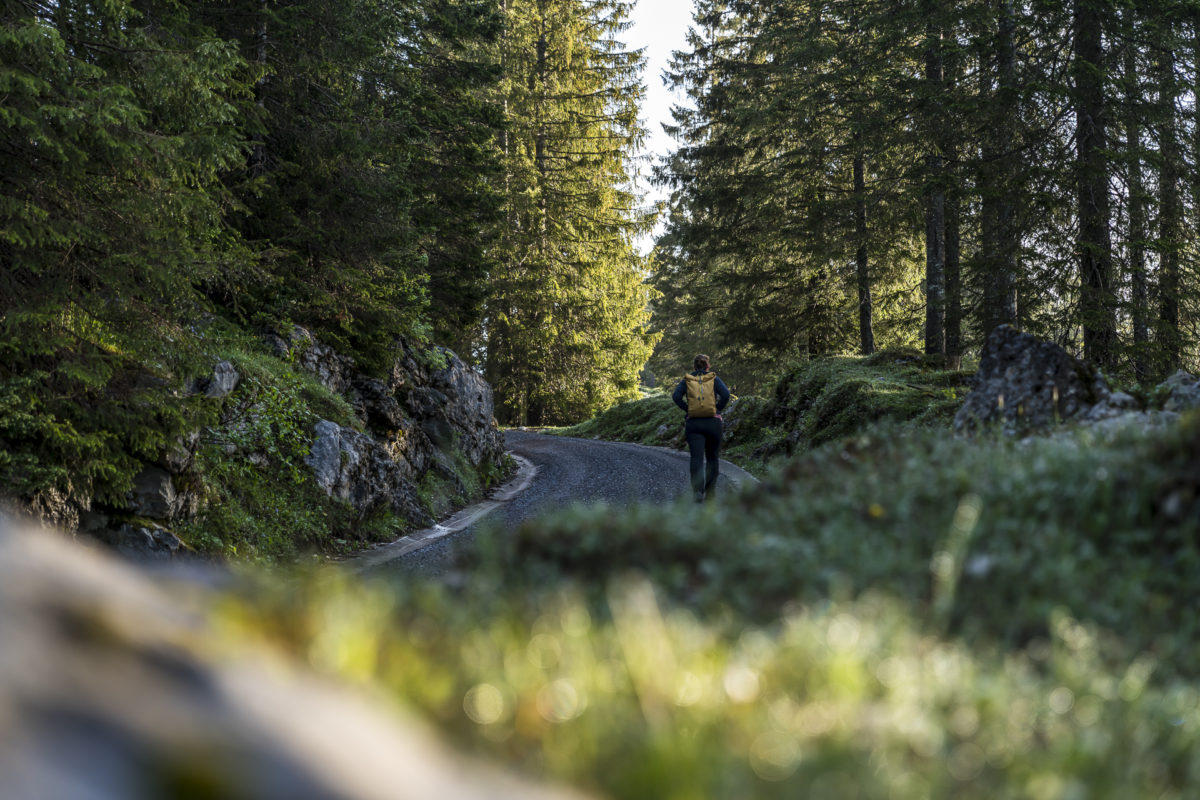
{"x":703,"y":396}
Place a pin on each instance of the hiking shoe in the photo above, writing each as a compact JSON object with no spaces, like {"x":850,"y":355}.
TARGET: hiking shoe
{"x":700,"y":497}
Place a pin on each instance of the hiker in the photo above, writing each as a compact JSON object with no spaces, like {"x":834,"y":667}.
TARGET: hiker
{"x":703,"y":396}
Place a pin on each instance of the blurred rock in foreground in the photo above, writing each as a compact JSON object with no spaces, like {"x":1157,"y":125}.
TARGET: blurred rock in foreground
{"x":110,"y":688}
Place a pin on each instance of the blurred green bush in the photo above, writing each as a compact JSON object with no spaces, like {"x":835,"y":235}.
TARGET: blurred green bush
{"x":895,"y":615}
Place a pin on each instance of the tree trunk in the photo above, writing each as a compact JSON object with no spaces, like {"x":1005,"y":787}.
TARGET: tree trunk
{"x":1170,"y":214}
{"x":1139,"y":297}
{"x":952,"y":172}
{"x":999,"y":237}
{"x":954,"y":310}
{"x":866,"y":332}
{"x":1097,"y":300}
{"x":935,"y":208}
{"x":1008,"y":237}
{"x":258,"y":151}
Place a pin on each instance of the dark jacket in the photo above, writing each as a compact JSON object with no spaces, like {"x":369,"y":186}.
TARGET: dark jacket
{"x":680,"y":395}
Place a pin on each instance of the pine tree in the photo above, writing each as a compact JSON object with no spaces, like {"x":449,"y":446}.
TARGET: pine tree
{"x":786,"y":180}
{"x":1097,"y":298}
{"x":565,"y":323}
{"x":827,"y":138}
{"x":119,"y":122}
{"x":1168,"y":243}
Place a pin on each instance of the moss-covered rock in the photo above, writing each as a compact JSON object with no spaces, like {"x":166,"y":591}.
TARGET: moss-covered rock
{"x":293,"y":451}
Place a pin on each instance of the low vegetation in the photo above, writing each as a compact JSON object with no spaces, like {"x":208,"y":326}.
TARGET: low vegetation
{"x":891,"y":614}
{"x":257,"y":497}
{"x":813,"y":403}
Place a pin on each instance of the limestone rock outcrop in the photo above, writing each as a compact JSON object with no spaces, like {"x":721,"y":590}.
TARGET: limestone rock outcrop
{"x":224,"y":380}
{"x":430,"y":413}
{"x":416,"y":420}
{"x":446,"y":399}
{"x":354,"y":467}
{"x":332,"y":369}
{"x":428,"y":409}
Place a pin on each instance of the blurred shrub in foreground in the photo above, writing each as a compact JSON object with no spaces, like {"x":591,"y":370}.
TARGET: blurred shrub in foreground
{"x":895,"y":616}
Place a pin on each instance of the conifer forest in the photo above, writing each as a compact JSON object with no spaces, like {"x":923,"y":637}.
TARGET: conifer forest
{"x":850,"y":176}
{"x":864,"y":174}
{"x":315,"y":315}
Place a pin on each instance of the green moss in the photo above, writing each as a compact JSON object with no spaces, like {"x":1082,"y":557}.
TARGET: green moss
{"x":437,"y":495}
{"x":815,"y":402}
{"x":635,"y":421}
{"x":899,"y":614}
{"x":1045,"y":523}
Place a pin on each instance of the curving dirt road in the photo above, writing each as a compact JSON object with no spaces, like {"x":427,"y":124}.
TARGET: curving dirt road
{"x":567,"y":471}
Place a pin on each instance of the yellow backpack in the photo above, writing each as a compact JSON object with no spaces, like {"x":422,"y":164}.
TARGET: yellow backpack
{"x":701,"y":395}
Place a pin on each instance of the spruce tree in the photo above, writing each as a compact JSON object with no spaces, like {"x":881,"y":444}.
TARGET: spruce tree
{"x":565,"y":323}
{"x":119,"y":121}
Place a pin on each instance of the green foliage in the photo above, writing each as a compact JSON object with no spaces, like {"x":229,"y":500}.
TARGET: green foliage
{"x":369,"y":168}
{"x":308,"y":397}
{"x":757,"y":264}
{"x":90,"y":444}
{"x":319,"y":162}
{"x":901,"y":615}
{"x":566,"y":333}
{"x":117,"y":134}
{"x":817,"y":402}
{"x":850,"y":169}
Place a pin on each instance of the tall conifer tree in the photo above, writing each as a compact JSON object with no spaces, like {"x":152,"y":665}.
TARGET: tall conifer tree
{"x":565,"y":324}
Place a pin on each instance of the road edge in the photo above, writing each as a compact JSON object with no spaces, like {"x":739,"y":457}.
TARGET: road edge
{"x":460,"y":520}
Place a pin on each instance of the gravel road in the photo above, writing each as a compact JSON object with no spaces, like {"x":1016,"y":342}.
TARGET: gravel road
{"x":569,"y":471}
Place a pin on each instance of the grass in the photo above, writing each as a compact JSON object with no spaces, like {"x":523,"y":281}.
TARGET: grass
{"x":1013,"y":528}
{"x":895,"y":615}
{"x":634,"y":421}
{"x":814,"y":403}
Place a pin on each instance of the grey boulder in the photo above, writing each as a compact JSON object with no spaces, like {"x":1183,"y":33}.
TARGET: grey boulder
{"x":1024,"y":384}
{"x":1184,"y":392}
{"x":113,"y":685}
{"x":223,"y":381}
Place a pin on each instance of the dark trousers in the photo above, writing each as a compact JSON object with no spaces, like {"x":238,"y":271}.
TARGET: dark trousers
{"x":704,"y":442}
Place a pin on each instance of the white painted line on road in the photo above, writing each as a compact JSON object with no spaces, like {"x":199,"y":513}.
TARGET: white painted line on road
{"x":463,"y":519}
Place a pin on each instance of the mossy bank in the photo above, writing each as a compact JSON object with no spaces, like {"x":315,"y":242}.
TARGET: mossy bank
{"x":813,"y":403}
{"x":898,"y":614}
{"x":292,"y":449}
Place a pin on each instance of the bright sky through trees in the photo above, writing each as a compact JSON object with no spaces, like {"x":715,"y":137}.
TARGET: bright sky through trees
{"x":659,"y":26}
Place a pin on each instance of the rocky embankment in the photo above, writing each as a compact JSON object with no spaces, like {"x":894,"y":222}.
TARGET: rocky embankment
{"x":429,"y":415}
